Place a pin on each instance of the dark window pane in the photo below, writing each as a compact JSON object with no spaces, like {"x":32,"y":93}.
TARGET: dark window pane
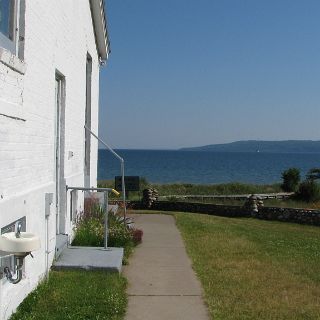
{"x":6,"y":21}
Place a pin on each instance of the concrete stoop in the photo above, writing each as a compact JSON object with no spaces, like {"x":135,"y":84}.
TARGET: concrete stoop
{"x":61,"y":244}
{"x":90,"y":258}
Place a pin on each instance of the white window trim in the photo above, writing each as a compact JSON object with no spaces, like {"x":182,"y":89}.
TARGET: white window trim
{"x":12,"y":61}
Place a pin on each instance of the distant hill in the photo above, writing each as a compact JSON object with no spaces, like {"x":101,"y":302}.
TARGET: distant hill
{"x":289,"y":146}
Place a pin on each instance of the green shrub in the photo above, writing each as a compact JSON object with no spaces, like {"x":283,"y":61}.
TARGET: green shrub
{"x":89,"y":230}
{"x":119,"y":237}
{"x":89,"y":233}
{"x":291,"y":180}
{"x":309,"y":190}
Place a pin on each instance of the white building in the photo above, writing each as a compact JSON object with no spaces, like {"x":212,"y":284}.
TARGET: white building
{"x":50,"y":55}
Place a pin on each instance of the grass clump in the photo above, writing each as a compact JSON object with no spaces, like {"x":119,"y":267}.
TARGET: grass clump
{"x":76,"y":295}
{"x":89,"y":229}
{"x":252,"y":269}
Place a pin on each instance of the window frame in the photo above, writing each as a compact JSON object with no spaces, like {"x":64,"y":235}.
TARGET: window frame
{"x":12,"y":45}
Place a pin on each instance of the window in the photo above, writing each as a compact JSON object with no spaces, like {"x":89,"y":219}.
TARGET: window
{"x":9,"y":22}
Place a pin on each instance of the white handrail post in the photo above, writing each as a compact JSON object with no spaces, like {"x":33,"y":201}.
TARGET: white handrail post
{"x":123,"y":192}
{"x":106,"y":207}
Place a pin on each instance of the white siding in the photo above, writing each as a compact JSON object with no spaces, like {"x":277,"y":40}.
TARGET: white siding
{"x":58,"y":35}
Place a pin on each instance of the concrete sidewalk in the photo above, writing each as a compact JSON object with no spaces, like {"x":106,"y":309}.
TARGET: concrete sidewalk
{"x":162,"y":283}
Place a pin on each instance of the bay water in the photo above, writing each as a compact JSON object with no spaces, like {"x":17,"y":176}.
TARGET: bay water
{"x":169,"y":166}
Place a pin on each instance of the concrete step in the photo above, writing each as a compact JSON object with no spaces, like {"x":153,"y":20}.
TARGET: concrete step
{"x":61,"y":244}
{"x":90,"y":258}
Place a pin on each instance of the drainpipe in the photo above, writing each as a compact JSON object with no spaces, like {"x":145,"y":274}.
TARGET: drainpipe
{"x":48,"y":203}
{"x":123,"y":190}
{"x":19,"y":264}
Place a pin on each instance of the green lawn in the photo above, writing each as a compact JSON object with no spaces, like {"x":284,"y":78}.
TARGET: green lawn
{"x":216,"y":189}
{"x":253,"y":269}
{"x":199,"y":189}
{"x":76,"y":295}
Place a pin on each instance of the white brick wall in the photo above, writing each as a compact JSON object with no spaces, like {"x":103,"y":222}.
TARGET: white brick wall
{"x":58,"y":36}
{"x":11,"y":85}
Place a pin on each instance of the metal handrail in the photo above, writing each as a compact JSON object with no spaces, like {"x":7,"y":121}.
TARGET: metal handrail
{"x":122,"y":169}
{"x":106,"y":205}
{"x":94,"y":189}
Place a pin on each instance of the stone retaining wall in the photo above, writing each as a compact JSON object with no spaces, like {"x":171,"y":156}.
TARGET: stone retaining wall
{"x":301,"y":216}
{"x":211,"y":209}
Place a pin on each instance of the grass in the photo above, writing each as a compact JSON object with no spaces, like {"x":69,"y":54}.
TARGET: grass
{"x":76,"y":295}
{"x":199,"y":189}
{"x":216,"y":189}
{"x":252,"y":269}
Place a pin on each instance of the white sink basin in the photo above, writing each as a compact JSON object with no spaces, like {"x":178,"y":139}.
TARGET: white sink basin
{"x":19,"y":246}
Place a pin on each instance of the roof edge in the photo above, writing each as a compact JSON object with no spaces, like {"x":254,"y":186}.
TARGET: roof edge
{"x":100,"y":28}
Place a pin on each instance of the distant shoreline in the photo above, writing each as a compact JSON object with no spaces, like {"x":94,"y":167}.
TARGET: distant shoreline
{"x":249,"y":146}
{"x":262,"y":146}
{"x":212,"y":151}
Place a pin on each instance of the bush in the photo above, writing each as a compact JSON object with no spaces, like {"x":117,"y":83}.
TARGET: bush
{"x":89,"y":233}
{"x":119,"y":236}
{"x":137,"y":235}
{"x":309,"y":190}
{"x":313,"y":174}
{"x":90,"y":230}
{"x":291,"y":180}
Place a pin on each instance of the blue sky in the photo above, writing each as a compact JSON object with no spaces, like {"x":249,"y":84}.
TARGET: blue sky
{"x":195,"y":72}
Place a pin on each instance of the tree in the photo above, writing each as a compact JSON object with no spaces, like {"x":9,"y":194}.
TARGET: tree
{"x":291,"y":180}
{"x":313,"y":174}
{"x":309,"y":190}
